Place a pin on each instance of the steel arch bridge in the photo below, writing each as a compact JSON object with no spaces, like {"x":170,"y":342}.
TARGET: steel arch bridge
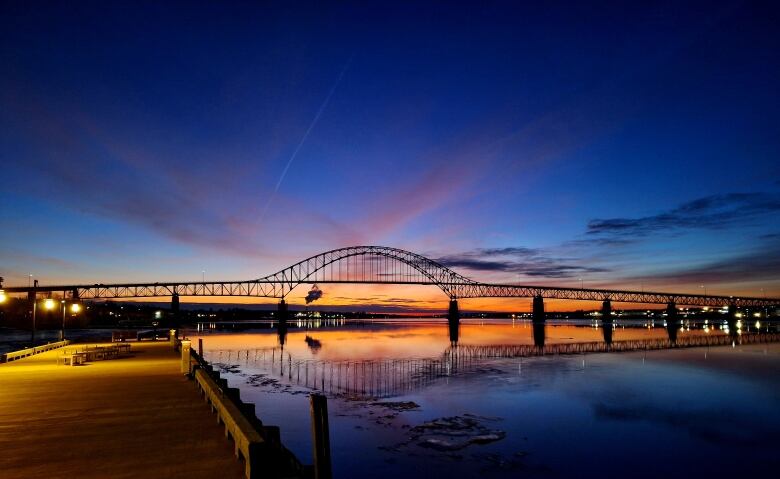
{"x":381,"y":265}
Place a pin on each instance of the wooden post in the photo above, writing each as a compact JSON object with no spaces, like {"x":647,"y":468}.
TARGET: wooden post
{"x":185,"y":356}
{"x":320,"y":436}
{"x":200,"y":347}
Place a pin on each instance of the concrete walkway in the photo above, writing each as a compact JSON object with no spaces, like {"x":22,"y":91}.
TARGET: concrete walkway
{"x":121,"y":418}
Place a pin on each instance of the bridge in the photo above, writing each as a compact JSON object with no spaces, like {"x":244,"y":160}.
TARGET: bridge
{"x":386,"y":265}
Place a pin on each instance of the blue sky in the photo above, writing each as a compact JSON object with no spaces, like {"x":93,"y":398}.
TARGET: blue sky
{"x":628,"y":144}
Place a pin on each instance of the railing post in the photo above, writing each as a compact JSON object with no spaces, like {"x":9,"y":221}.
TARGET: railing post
{"x":186,"y":362}
{"x":320,"y":436}
{"x":200,"y":347}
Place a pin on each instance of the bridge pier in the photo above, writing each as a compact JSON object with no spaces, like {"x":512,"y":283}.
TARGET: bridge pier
{"x":672,"y":322}
{"x":537,"y":308}
{"x":174,"y":321}
{"x":539,"y":333}
{"x":281,"y":326}
{"x":732,"y":319}
{"x":453,"y":321}
{"x":606,"y":311}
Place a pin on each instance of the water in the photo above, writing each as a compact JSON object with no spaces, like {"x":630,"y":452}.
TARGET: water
{"x":699,"y":411}
{"x":16,"y":339}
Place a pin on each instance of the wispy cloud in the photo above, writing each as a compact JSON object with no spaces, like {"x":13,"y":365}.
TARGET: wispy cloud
{"x":518,"y":260}
{"x":710,"y":212}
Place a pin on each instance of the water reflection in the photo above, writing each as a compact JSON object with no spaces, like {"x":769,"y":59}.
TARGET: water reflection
{"x":607,"y":327}
{"x":425,"y":337}
{"x":281,"y":331}
{"x":387,"y":359}
{"x":672,"y":327}
{"x":489,"y":369}
{"x":539,"y":334}
{"x":454,"y":329}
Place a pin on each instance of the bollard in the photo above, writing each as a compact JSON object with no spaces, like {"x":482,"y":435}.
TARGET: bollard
{"x":186,"y":363}
{"x":172,"y":337}
{"x":320,"y":436}
{"x":200,"y":347}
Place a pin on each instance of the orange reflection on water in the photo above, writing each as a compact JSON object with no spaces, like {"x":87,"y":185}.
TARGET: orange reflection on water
{"x":373,"y":341}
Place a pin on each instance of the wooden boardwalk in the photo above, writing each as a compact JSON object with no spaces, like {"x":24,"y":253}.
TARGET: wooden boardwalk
{"x":122,"y":418}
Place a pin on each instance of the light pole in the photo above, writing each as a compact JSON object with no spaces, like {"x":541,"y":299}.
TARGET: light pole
{"x":62,"y":330}
{"x":74,"y":309}
{"x":204,"y":275}
{"x":704,"y":288}
{"x":35,"y":307}
{"x":48,"y":304}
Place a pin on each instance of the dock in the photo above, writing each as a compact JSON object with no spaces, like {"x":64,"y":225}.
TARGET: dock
{"x":131,"y":417}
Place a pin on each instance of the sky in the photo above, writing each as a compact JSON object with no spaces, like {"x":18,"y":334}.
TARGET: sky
{"x":612,"y":144}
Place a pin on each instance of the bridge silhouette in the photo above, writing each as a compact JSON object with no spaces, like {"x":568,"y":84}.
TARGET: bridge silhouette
{"x":386,"y":265}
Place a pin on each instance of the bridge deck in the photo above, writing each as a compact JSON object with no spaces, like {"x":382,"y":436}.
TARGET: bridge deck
{"x":120,"y":418}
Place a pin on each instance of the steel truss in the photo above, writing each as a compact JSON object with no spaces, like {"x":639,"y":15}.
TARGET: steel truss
{"x":383,"y":265}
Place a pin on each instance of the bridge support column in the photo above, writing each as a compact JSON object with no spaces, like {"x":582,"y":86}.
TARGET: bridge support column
{"x":174,"y":320}
{"x":537,"y":307}
{"x":672,"y":322}
{"x":175,"y":309}
{"x":453,"y":321}
{"x":606,"y":311}
{"x":732,"y":319}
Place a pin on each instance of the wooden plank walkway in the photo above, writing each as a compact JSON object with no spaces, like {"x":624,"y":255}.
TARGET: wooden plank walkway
{"x":121,"y":418}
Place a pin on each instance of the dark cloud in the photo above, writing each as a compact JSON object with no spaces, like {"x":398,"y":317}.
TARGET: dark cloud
{"x":711,"y":212}
{"x":517,"y":260}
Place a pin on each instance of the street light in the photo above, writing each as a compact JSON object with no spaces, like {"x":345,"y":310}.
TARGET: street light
{"x":48,"y":303}
{"x":2,"y":296}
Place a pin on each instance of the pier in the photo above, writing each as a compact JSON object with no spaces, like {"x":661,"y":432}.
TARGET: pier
{"x":137,"y":416}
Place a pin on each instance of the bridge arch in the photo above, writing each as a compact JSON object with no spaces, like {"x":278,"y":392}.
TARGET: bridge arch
{"x":374,"y":262}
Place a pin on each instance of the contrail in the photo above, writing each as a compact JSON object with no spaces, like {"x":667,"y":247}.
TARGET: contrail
{"x":305,"y":136}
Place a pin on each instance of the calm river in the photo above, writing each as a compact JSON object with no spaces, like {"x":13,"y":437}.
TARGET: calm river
{"x":404,"y":401}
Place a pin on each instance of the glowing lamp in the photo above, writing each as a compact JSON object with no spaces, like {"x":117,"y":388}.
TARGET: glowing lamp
{"x":2,"y":296}
{"x":48,"y":304}
{"x":75,"y":308}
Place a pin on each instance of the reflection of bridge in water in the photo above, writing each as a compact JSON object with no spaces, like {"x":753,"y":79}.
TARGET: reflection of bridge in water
{"x":384,"y":378}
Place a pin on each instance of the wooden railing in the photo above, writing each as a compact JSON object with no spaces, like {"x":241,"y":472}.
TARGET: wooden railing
{"x":23,"y":353}
{"x":259,"y":446}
